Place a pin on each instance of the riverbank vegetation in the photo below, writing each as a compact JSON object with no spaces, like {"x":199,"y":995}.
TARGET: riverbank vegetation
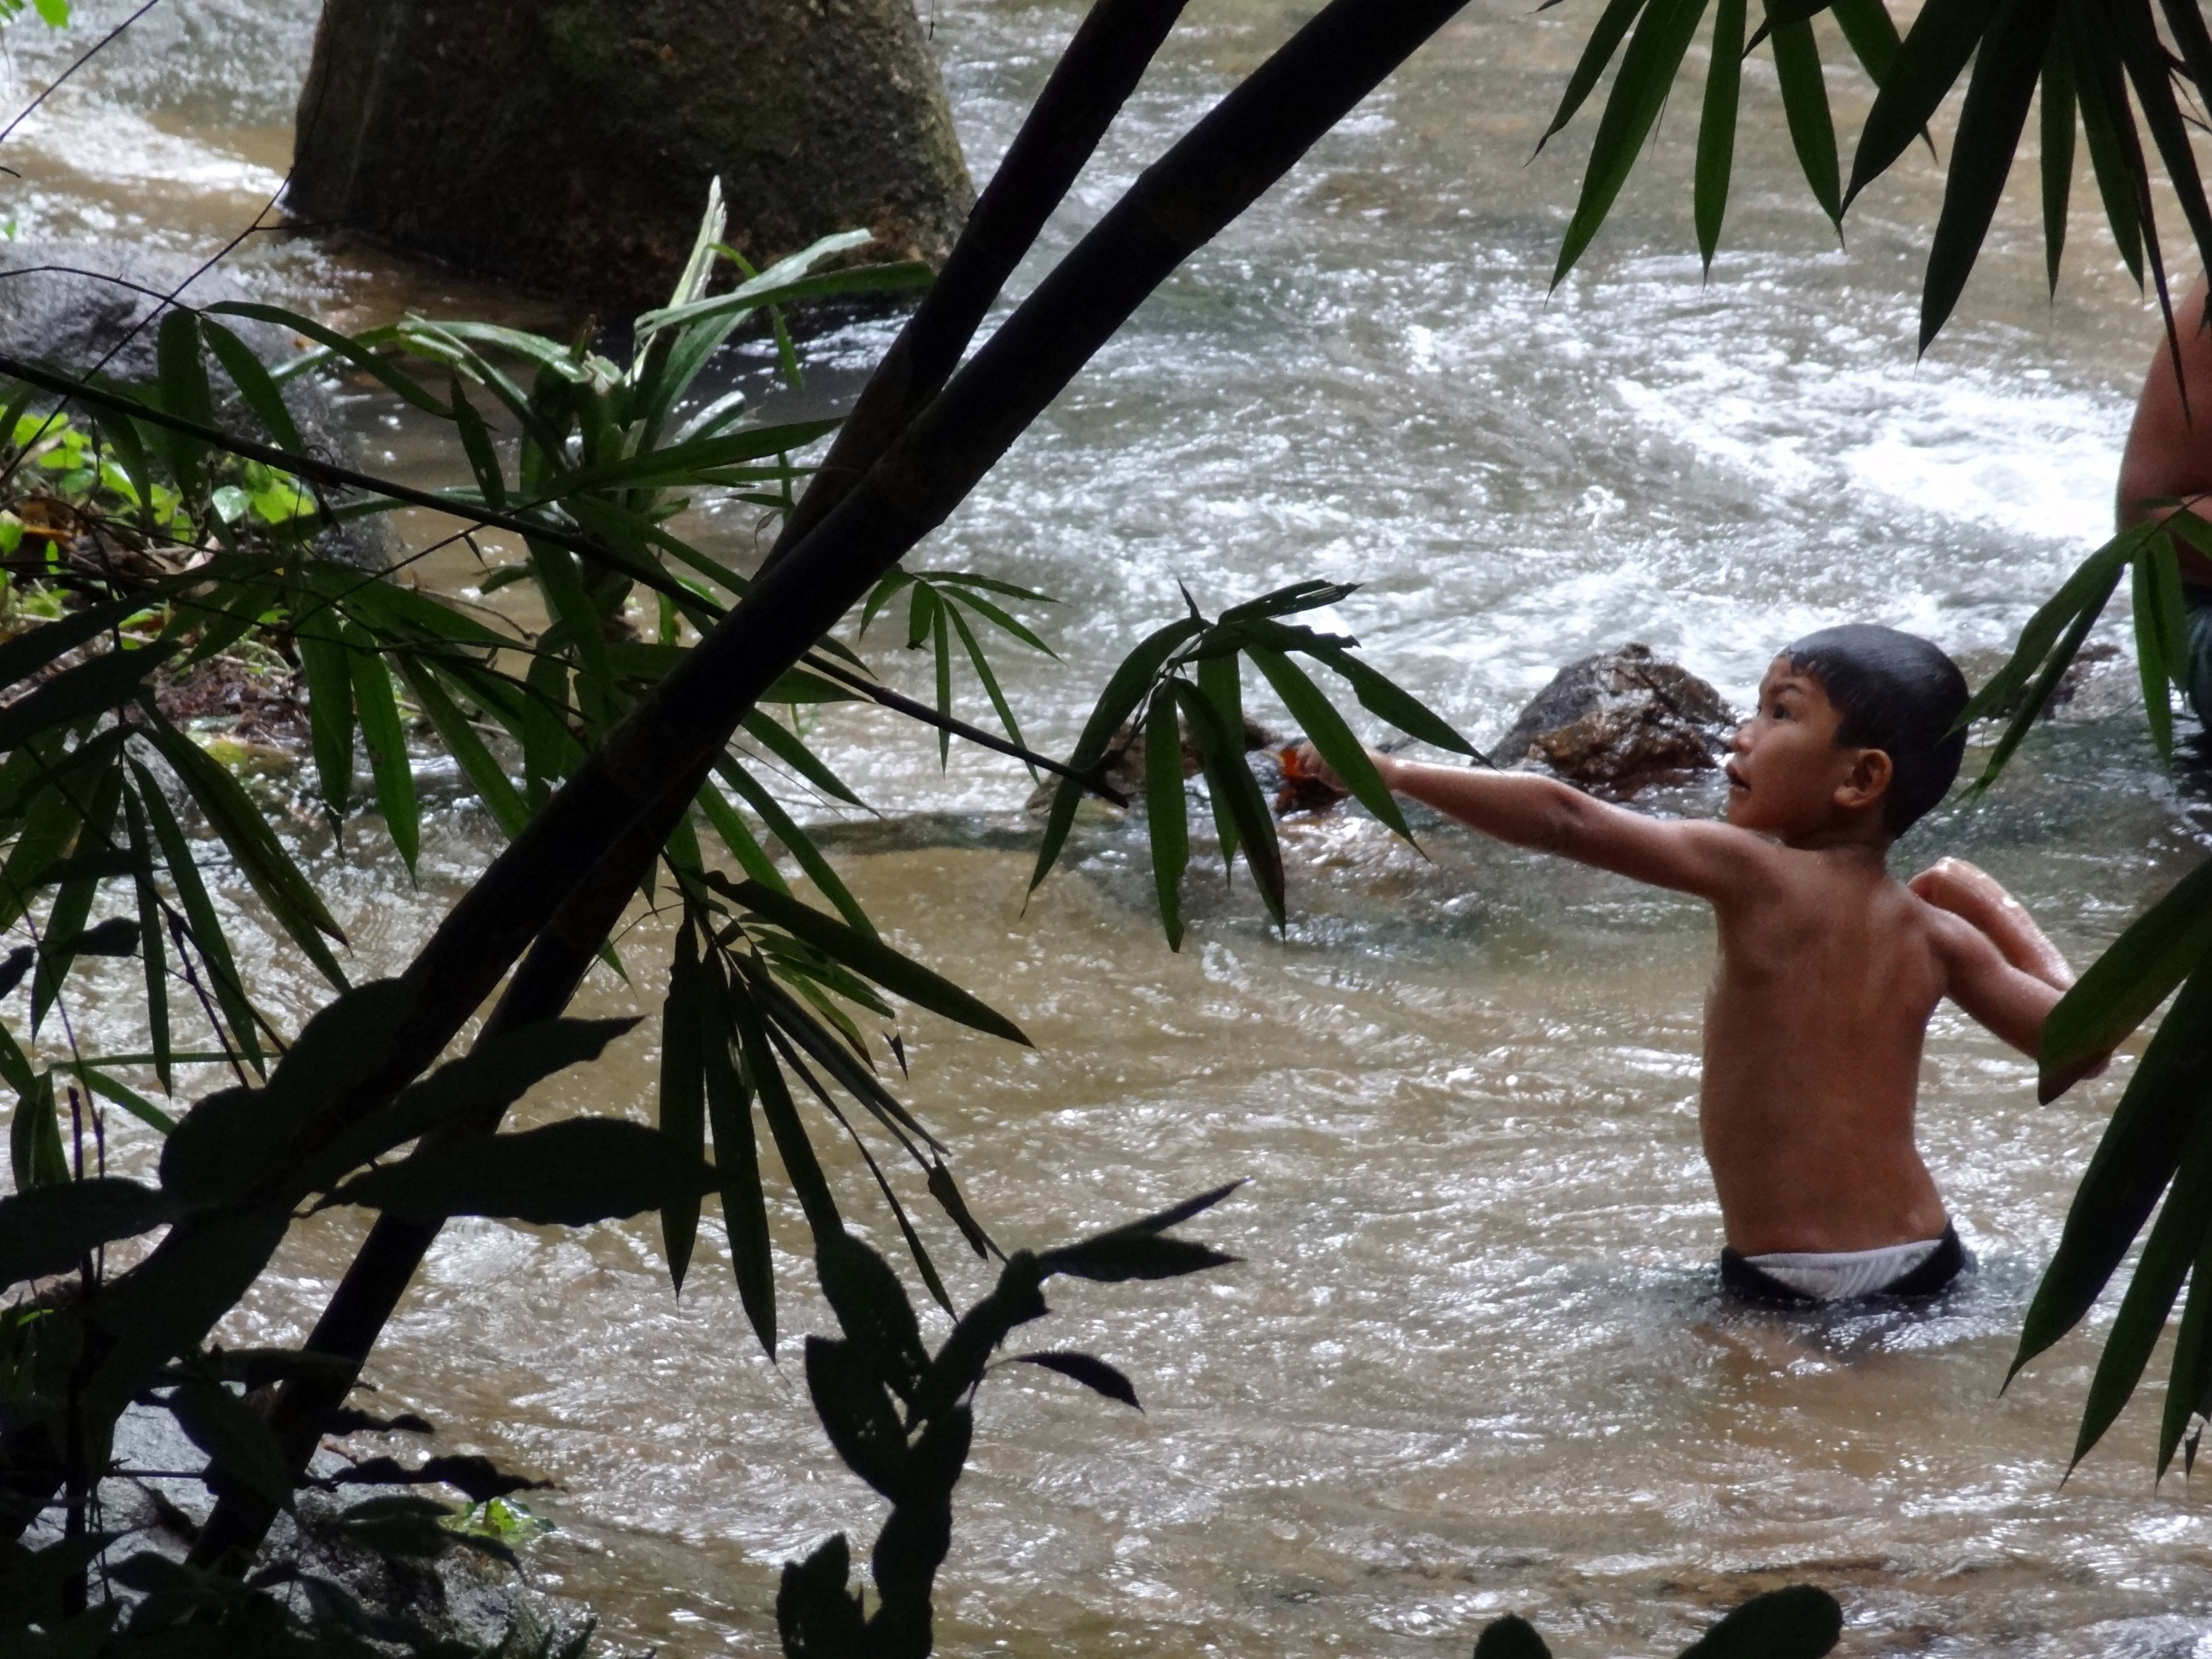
{"x":155,"y":529}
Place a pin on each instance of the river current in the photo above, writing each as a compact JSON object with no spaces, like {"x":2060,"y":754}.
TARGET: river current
{"x":1472,"y":1360}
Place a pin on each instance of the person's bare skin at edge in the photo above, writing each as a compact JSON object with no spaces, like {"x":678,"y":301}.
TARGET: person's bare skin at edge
{"x":1829,"y":967}
{"x":2169,"y":453}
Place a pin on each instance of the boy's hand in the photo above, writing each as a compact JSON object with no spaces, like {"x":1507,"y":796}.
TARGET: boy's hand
{"x":1305,"y":760}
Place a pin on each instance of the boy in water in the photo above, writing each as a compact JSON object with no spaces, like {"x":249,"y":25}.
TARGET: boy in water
{"x":1829,"y":969}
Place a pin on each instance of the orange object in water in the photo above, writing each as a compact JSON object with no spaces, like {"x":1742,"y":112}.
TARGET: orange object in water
{"x":1303,"y":790}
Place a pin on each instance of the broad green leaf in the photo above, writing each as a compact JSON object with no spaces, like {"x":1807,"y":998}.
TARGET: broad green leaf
{"x":1165,"y":812}
{"x":1717,"y":126}
{"x":571,"y":1173}
{"x":1990,"y":126}
{"x":867,"y":954}
{"x":1317,"y":717}
{"x":386,"y":738}
{"x":65,"y":932}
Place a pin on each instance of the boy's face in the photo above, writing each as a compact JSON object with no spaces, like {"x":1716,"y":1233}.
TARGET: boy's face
{"x":1786,"y":775}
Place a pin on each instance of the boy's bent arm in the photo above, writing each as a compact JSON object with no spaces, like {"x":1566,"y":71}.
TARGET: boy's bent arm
{"x":2011,"y":1002}
{"x":1551,"y":816}
{"x":1975,"y":897}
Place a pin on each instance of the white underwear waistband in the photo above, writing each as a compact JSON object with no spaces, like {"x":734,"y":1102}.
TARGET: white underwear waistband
{"x":1836,"y":1275}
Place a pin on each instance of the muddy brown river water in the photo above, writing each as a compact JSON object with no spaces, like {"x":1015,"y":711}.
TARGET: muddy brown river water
{"x":1472,"y":1360}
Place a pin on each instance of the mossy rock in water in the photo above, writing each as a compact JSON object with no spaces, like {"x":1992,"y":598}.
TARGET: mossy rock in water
{"x":567,"y":145}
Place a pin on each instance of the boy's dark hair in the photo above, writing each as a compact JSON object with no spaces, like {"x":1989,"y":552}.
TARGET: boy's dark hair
{"x":1898,"y":694}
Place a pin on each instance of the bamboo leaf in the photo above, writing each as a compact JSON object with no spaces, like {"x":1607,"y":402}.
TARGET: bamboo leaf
{"x":786,"y":746}
{"x":2107,"y":128}
{"x":2056,"y":114}
{"x":1125,"y":689}
{"x":330,"y":708}
{"x":2135,"y":972}
{"x":2191,"y":1371}
{"x":154,"y":951}
{"x":484,"y":774}
{"x":571,"y":1173}
{"x":247,"y":374}
{"x":2176,"y":1239}
{"x":800,"y":1163}
{"x":1716,"y":127}
{"x":1221,"y":756}
{"x":1605,"y":39}
{"x":1647,"y":72}
{"x":339,"y":344}
{"x":1805,"y":108}
{"x":92,"y":687}
{"x":683,"y":1089}
{"x":1797,"y":1622}
{"x":2137,"y":1157}
{"x":290,"y":898}
{"x":1929,"y":62}
{"x":1165,"y":812}
{"x":737,"y":1160}
{"x":206,"y":928}
{"x":867,"y":954}
{"x":797,"y":842}
{"x":1871,"y":34}
{"x":1317,"y":717}
{"x":1094,"y":1374}
{"x":386,"y":738}
{"x":1989,"y":126}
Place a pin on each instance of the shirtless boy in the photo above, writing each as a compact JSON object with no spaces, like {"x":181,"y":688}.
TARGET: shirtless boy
{"x":1829,"y":967}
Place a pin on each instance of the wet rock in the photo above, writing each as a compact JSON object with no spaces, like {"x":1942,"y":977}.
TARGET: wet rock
{"x":1621,"y":721}
{"x":566,"y":144}
{"x":58,"y":310}
{"x":2101,"y":682}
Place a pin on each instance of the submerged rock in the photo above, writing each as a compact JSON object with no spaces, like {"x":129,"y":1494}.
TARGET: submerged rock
{"x":1123,"y":769}
{"x":1621,"y":721}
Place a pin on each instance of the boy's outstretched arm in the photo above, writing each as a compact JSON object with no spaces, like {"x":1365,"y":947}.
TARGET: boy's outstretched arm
{"x":1551,"y":816}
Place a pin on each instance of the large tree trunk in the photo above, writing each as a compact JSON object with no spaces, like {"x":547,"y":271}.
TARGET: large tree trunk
{"x":566,"y":144}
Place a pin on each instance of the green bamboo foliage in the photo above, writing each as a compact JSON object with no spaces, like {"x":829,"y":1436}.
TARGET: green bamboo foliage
{"x":2122,"y":68}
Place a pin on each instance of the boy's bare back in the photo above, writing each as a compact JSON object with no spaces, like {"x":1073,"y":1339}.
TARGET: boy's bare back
{"x":1829,"y":967}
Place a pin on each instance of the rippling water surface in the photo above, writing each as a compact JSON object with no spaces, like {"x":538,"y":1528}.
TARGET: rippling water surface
{"x":1472,"y":1360}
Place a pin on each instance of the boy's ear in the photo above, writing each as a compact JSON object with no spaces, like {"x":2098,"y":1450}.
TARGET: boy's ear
{"x":1867,"y":781}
